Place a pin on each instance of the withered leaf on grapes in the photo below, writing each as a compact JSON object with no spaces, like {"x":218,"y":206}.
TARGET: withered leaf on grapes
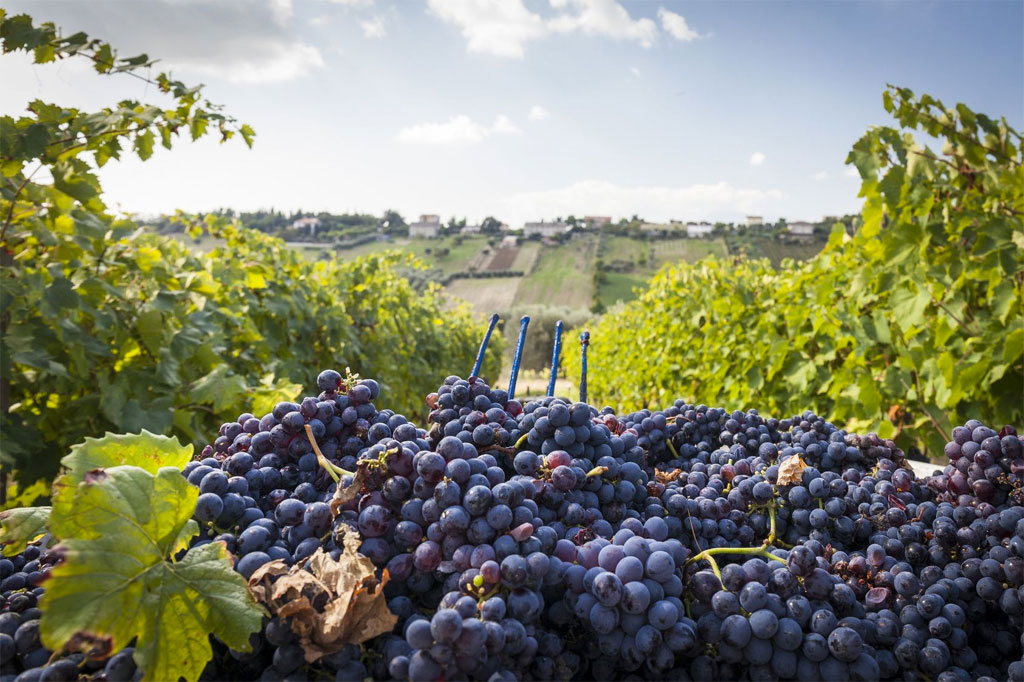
{"x":791,"y":470}
{"x":330,"y":605}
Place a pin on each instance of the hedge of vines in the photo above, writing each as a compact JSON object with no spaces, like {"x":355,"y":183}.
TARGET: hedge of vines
{"x":104,"y":327}
{"x":908,"y":326}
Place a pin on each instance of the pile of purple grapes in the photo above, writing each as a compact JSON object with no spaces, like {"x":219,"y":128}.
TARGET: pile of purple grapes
{"x":555,"y":541}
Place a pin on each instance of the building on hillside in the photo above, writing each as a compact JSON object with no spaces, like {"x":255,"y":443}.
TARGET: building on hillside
{"x":303,"y":224}
{"x":471,"y":229}
{"x":545,"y":229}
{"x":699,"y":229}
{"x":801,"y":228}
{"x":753,"y":220}
{"x":592,"y":221}
{"x":428,"y":226}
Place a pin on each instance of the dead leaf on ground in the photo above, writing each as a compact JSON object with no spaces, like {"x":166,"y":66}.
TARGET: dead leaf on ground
{"x":330,"y":605}
{"x":791,"y":470}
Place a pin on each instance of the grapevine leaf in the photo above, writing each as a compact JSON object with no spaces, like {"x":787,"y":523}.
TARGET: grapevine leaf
{"x":148,"y":451}
{"x":145,"y":450}
{"x":22,"y":526}
{"x":329,"y":603}
{"x":116,"y":583}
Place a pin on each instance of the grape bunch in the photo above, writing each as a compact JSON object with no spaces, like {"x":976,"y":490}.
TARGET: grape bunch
{"x":552,"y":540}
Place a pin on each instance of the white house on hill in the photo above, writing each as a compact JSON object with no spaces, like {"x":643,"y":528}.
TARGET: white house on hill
{"x":753,"y":220}
{"x":306,"y":224}
{"x":428,"y":226}
{"x":699,"y":229}
{"x":545,"y":229}
{"x":801,"y":228}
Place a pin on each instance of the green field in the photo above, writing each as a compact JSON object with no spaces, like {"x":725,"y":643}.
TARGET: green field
{"x":689,"y":250}
{"x":776,"y":251}
{"x":618,"y":286}
{"x":563,"y":275}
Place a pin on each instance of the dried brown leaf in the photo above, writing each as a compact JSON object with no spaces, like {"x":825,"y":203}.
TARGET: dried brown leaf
{"x":667,"y":476}
{"x":791,"y":470}
{"x":329,"y":603}
{"x":343,"y":496}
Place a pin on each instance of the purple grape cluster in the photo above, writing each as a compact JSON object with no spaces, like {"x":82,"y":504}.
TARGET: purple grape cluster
{"x":554,"y":541}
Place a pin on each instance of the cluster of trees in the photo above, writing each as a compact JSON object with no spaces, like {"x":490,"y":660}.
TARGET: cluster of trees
{"x":330,"y":227}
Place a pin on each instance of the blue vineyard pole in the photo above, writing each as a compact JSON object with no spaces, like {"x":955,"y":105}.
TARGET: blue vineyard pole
{"x":554,"y":357}
{"x":584,"y":342}
{"x":523,"y":324}
{"x":483,"y":345}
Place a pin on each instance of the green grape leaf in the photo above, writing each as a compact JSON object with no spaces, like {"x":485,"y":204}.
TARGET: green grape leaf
{"x":22,"y":526}
{"x":148,"y":451}
{"x":117,"y":584}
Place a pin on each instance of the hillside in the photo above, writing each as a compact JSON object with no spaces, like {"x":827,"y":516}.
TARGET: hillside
{"x":586,"y":274}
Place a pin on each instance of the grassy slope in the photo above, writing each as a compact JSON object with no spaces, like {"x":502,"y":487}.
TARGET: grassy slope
{"x":563,"y":276}
{"x":618,"y":286}
{"x":557,"y":275}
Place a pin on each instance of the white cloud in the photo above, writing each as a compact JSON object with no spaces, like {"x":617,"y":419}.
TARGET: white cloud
{"x":503,"y":27}
{"x":820,"y":175}
{"x":374,"y":28}
{"x":675,"y":25}
{"x":351,"y":3}
{"x":497,"y":27}
{"x":281,"y":11}
{"x":503,"y":125}
{"x":278,"y":61}
{"x":537,"y":113}
{"x":241,"y":41}
{"x":757,"y":159}
{"x":603,"y":18}
{"x":852,"y":172}
{"x":318,"y":21}
{"x":635,"y":71}
{"x":596,"y":197}
{"x":457,"y":130}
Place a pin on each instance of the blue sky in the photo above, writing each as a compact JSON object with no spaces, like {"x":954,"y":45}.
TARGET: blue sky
{"x":525,"y":109}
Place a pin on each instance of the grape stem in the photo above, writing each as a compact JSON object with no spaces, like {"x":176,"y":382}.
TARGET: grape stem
{"x":709,"y":554}
{"x":335,"y":472}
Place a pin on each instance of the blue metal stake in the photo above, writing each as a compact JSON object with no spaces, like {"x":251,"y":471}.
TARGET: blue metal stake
{"x":554,"y":357}
{"x":584,"y":342}
{"x":523,"y":323}
{"x":483,"y":345}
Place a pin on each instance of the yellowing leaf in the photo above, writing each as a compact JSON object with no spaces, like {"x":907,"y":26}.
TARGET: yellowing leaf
{"x":117,"y":585}
{"x":22,"y":526}
{"x":145,"y":450}
{"x":254,"y":280}
{"x":148,"y":451}
{"x":147,"y":258}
